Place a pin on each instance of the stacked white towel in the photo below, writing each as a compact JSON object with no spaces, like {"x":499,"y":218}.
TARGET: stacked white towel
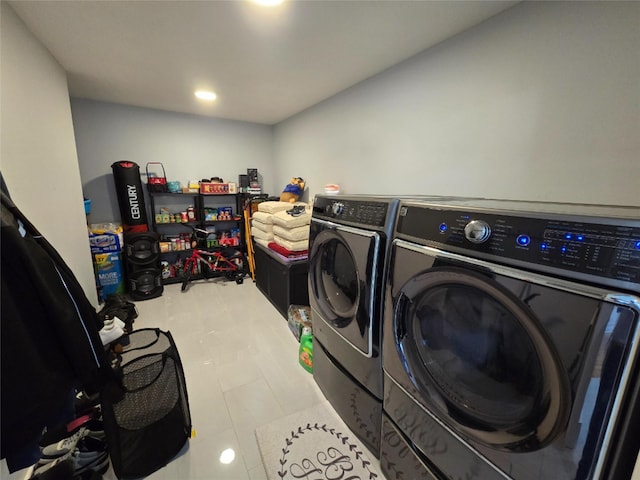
{"x":292,"y":232}
{"x":272,"y":223}
{"x":273,"y":207}
{"x":262,"y":226}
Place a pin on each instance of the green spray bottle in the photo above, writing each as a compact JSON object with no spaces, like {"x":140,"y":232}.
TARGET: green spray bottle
{"x":305,"y":354}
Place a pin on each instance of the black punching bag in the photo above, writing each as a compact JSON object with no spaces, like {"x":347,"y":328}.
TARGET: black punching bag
{"x":133,"y":210}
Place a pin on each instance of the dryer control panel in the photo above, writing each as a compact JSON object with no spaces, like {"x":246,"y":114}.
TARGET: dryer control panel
{"x":589,"y":247}
{"x":352,"y":211}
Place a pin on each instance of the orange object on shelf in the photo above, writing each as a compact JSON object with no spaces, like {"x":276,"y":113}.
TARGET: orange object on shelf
{"x":214,"y":188}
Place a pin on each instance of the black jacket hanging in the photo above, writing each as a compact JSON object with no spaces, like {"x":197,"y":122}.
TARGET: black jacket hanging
{"x":49,"y":339}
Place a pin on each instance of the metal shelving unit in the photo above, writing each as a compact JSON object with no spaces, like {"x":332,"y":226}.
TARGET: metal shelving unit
{"x":179,"y":202}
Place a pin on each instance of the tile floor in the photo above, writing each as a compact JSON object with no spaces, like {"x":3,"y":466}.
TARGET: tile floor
{"x":242,"y":371}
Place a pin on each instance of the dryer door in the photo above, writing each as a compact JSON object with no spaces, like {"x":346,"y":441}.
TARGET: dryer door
{"x":343,"y":267}
{"x":482,"y":357}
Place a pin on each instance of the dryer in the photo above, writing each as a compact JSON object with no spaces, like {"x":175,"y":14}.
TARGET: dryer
{"x":348,"y":242}
{"x":510,"y":347}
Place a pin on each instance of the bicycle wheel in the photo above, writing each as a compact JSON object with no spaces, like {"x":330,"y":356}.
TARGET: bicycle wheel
{"x":239,"y":259}
{"x":188,"y":267}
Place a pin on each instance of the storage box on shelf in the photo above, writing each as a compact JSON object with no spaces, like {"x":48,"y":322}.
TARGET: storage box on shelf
{"x":218,"y":188}
{"x":176,"y":214}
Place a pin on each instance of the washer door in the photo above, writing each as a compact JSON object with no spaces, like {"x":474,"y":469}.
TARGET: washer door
{"x":481,"y":360}
{"x":343,"y":265}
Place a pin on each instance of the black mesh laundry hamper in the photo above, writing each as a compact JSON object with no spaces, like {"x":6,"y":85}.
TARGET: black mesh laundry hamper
{"x":147,"y":419}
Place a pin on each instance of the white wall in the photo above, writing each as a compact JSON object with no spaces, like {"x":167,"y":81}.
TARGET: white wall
{"x":38,"y":152}
{"x":541,"y":102}
{"x":188,"y":146}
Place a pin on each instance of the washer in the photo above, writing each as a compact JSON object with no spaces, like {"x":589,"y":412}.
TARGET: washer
{"x":348,"y":242}
{"x":510,"y":346}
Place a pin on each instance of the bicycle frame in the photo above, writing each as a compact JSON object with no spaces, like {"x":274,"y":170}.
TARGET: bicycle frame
{"x":214,"y":261}
{"x":219,"y":264}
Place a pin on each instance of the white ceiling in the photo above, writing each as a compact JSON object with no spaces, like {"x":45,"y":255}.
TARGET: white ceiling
{"x":265,"y":64}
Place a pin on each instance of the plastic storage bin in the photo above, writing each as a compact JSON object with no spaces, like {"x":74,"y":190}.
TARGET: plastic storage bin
{"x":147,"y":419}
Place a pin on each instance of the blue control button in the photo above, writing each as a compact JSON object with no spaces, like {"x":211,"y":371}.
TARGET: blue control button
{"x":543,"y":246}
{"x":563,"y":249}
{"x":580,"y":238}
{"x":638,"y":245}
{"x":567,"y":236}
{"x":443,"y":227}
{"x":523,"y":240}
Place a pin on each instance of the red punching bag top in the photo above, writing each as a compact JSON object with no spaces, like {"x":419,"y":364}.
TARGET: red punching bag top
{"x":126,"y":164}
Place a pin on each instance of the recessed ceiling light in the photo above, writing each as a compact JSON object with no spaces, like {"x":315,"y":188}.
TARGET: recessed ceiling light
{"x":206,"y":95}
{"x":227,"y":456}
{"x":268,"y":3}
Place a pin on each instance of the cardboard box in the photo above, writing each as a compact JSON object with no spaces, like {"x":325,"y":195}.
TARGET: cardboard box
{"x":298,"y":316}
{"x":214,"y":188}
{"x":225,"y":213}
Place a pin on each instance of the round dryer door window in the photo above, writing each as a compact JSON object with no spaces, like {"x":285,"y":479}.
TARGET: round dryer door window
{"x":481,"y":360}
{"x":336,"y":277}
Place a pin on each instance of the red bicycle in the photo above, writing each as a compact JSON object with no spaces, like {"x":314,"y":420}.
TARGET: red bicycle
{"x":214,"y":262}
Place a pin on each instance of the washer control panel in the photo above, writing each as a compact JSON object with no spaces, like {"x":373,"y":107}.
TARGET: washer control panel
{"x":477,"y":231}
{"x":608,"y":249}
{"x":357,"y":212}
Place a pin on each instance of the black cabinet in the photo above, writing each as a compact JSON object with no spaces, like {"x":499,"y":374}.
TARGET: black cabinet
{"x":284,"y":283}
{"x":174,"y":215}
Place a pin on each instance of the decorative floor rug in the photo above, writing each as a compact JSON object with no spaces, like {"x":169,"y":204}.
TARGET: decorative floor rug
{"x":314,"y":444}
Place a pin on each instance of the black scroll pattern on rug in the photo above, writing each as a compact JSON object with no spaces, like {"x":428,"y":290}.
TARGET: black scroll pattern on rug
{"x":329,"y":464}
